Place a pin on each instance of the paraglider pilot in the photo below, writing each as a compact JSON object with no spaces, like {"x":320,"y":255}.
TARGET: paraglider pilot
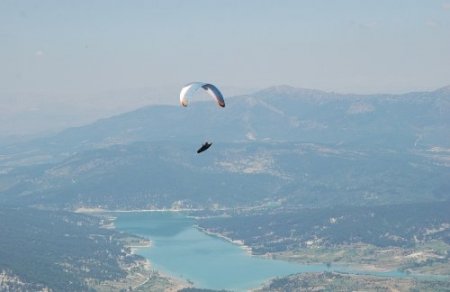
{"x":204,"y":147}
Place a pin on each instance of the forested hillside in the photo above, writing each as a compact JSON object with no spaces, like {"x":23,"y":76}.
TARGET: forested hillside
{"x":384,"y":226}
{"x":59,"y":250}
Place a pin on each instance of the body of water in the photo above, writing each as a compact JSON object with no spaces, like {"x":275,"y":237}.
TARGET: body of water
{"x":181,"y":250}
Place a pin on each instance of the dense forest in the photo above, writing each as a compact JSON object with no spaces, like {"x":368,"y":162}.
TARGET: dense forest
{"x":282,"y":229}
{"x":58,"y":250}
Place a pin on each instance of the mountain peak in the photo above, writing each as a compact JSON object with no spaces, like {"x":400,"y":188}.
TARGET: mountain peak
{"x":287,"y":90}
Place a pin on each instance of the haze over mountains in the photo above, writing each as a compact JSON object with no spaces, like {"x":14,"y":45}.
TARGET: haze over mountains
{"x":27,"y":115}
{"x":281,"y":113}
{"x":281,"y":145}
{"x":290,"y":168}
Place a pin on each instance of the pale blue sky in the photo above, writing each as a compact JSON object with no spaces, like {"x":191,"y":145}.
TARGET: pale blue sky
{"x":346,"y":46}
{"x":69,"y":63}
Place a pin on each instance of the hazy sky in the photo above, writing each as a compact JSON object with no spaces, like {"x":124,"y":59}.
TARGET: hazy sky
{"x":345,"y":46}
{"x":68,"y":63}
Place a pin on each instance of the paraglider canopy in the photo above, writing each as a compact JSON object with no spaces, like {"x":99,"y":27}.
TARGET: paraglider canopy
{"x":189,"y":90}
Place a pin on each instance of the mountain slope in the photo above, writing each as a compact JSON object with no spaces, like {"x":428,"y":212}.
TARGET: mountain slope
{"x":172,"y":175}
{"x":281,"y":145}
{"x":279,"y":113}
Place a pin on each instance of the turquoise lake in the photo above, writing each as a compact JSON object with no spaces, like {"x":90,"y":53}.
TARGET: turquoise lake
{"x":179,"y":249}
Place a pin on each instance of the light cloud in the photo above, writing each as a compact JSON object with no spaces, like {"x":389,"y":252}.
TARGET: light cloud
{"x":367,"y":25}
{"x":446,"y":6}
{"x":39,"y":53}
{"x":432,"y":23}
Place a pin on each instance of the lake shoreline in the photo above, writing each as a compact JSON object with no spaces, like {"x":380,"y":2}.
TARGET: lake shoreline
{"x":86,"y":210}
{"x":240,"y":243}
{"x":225,"y":277}
{"x":347,"y":268}
{"x":173,"y":283}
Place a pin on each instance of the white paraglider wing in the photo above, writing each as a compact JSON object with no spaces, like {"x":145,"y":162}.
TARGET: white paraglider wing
{"x":189,"y":90}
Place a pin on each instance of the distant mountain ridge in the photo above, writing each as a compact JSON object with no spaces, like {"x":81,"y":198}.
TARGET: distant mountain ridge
{"x":279,"y":113}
